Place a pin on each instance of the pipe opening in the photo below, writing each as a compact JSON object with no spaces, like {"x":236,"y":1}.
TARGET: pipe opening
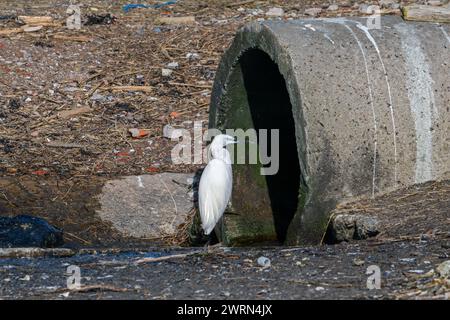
{"x":269,"y":106}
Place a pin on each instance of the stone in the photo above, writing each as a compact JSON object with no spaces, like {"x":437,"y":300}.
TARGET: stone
{"x":275,"y":12}
{"x":333,"y":7}
{"x":147,"y":206}
{"x":313,"y":12}
{"x":347,"y":227}
{"x":192,"y":56}
{"x":386,"y":3}
{"x":334,"y":167}
{"x":444,"y":269}
{"x":28,"y":231}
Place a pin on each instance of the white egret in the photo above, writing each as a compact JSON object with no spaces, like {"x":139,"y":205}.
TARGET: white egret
{"x":214,"y":191}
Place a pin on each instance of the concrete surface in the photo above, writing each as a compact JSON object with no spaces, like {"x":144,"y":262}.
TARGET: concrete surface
{"x":362,"y":112}
{"x":147,"y":206}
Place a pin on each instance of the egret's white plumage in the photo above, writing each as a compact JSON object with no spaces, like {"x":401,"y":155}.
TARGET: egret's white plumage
{"x":214,"y":191}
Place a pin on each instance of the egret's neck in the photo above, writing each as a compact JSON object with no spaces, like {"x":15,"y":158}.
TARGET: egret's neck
{"x":221,"y":153}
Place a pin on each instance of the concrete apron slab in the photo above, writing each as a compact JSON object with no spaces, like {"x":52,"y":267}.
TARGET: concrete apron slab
{"x":361,"y":112}
{"x":147,"y":206}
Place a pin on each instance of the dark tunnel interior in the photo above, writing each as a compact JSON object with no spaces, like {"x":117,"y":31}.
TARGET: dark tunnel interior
{"x":271,"y":108}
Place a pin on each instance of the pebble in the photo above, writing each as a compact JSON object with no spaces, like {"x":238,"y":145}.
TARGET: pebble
{"x":170,"y":132}
{"x":320,"y":288}
{"x":444,"y":269}
{"x":264,"y":262}
{"x":173,"y":65}
{"x":313,"y":12}
{"x":275,"y":12}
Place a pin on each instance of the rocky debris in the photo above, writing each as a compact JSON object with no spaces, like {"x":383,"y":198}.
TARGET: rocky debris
{"x":147,"y":206}
{"x":313,"y":12}
{"x":444,"y":269}
{"x":28,"y":231}
{"x":275,"y":12}
{"x":347,"y":227}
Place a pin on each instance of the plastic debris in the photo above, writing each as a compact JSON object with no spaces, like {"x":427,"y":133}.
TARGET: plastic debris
{"x":138,"y":133}
{"x":264,"y":262}
{"x":275,"y":12}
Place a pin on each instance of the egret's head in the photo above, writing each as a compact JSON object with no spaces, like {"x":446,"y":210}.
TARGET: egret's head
{"x":222,"y":140}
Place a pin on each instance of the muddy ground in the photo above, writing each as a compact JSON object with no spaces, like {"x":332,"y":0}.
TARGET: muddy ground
{"x":325,"y":272}
{"x":53,"y":163}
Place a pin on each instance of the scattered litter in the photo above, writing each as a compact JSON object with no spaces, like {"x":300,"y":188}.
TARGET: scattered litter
{"x":66,"y":114}
{"x":264,"y":262}
{"x":417,"y":271}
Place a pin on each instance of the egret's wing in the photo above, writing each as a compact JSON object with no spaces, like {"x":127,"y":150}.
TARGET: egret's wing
{"x":214,"y":193}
